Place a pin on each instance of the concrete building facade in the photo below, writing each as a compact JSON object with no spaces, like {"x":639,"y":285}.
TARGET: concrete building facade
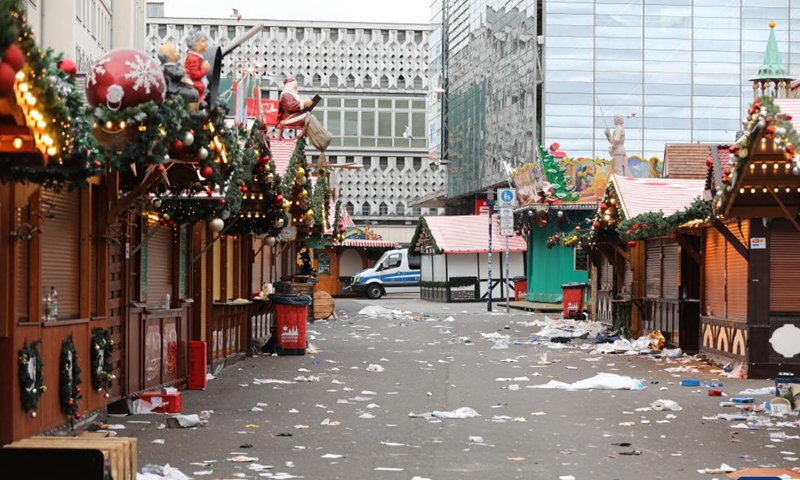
{"x":373,"y":79}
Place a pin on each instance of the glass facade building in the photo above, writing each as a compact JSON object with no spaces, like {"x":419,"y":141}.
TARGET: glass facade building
{"x":678,"y":71}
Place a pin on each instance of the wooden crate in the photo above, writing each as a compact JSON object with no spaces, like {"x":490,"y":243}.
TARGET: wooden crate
{"x":120,"y":452}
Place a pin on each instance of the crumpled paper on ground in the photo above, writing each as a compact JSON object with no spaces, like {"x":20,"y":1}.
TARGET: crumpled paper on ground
{"x":463,"y":412}
{"x":186,"y":421}
{"x":666,"y":405}
{"x":374,"y":311}
{"x":601,"y":381}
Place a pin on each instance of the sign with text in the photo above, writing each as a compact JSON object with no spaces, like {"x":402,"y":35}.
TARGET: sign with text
{"x":506,"y":197}
{"x":758,"y":243}
{"x":506,"y":221}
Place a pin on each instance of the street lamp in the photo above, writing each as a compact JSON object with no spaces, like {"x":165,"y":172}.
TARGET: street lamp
{"x":490,"y":205}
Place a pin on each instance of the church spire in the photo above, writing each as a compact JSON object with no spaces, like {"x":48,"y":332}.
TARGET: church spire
{"x":773,"y":76}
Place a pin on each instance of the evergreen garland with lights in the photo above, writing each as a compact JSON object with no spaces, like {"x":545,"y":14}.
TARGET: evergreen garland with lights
{"x":423,"y":238}
{"x":102,"y":368}
{"x":31,"y":380}
{"x":70,"y":379}
{"x":656,"y":224}
{"x":44,"y":87}
{"x":764,"y":119}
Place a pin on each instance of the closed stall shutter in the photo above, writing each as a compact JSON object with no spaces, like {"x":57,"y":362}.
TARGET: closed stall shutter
{"x":737,"y":273}
{"x":669,"y":266}
{"x":713,"y":274}
{"x":652,"y":269}
{"x":61,"y":250}
{"x":627,"y":281}
{"x":159,"y":265}
{"x":784,"y":259}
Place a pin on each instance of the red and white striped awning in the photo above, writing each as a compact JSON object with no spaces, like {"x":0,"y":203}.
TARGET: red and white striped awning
{"x":470,"y":234}
{"x":355,"y":242}
{"x":282,"y":150}
{"x":643,"y":195}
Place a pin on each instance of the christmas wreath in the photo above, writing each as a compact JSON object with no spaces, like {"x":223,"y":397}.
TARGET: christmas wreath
{"x":102,"y":348}
{"x":70,"y":379}
{"x":31,"y":381}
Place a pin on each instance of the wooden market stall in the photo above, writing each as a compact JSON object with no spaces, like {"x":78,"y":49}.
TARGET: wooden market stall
{"x":455,"y":259}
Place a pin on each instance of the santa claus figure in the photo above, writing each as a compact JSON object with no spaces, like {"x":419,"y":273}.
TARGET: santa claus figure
{"x":293,"y":111}
{"x":195,"y":65}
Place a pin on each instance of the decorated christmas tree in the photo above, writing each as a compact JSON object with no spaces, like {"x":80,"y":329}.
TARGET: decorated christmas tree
{"x":558,"y":184}
{"x":296,"y":188}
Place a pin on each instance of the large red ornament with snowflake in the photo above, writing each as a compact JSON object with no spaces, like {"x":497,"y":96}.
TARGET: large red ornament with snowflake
{"x":124,"y":78}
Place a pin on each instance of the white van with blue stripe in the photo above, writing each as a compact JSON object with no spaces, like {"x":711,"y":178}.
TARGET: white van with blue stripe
{"x":395,"y":272}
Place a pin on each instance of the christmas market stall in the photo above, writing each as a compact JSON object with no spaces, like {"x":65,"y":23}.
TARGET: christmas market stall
{"x":750,"y":310}
{"x":57,"y":355}
{"x":647,"y":259}
{"x":455,"y":258}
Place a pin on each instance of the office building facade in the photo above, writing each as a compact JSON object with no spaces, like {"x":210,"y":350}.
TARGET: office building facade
{"x":677,"y":71}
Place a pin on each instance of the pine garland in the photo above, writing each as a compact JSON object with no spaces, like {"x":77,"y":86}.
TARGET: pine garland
{"x":297,"y":188}
{"x":423,"y":238}
{"x":70,"y":379}
{"x":61,"y":107}
{"x":31,"y":383}
{"x":102,"y":368}
{"x":656,"y":224}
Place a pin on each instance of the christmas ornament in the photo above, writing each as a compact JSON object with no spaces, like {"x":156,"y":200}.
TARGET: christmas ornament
{"x":188,"y":139}
{"x":68,"y":66}
{"x":14,"y":57}
{"x":596,"y":224}
{"x":124,"y":78}
{"x":631,"y":243}
{"x":796,"y":170}
{"x":176,"y":146}
{"x":271,"y":241}
{"x":217,"y":225}
{"x":710,"y":161}
{"x":202,"y":153}
{"x":263,"y":160}
{"x":156,"y":202}
{"x":206,"y":171}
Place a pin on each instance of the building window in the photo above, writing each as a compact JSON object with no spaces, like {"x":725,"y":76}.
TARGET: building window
{"x":417,"y":163}
{"x":367,"y":161}
{"x":400,"y":209}
{"x":581,"y":260}
{"x":417,"y":211}
{"x":365,"y":209}
{"x":401,"y":163}
{"x":350,"y":209}
{"x":384,"y":162}
{"x":383,"y":209}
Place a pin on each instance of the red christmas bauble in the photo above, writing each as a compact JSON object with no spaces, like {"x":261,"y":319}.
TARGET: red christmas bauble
{"x":78,"y":416}
{"x":790,"y":149}
{"x":223,"y":202}
{"x":15,"y":57}
{"x":7,"y":79}
{"x":78,"y":389}
{"x":596,"y":224}
{"x":278,"y":199}
{"x":263,"y":160}
{"x":206,"y":172}
{"x":577,"y":228}
{"x":631,"y":243}
{"x":710,"y":162}
{"x":68,"y":66}
{"x":176,"y":146}
{"x":603,"y":206}
{"x":727,"y":170}
{"x":124,"y":78}
{"x":96,"y":164}
{"x":70,"y":402}
{"x":243,"y":188}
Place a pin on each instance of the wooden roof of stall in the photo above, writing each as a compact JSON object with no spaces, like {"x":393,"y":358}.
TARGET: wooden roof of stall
{"x":463,"y":234}
{"x":762,"y":183}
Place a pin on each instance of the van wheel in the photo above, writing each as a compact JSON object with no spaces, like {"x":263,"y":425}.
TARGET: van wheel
{"x":374,"y":292}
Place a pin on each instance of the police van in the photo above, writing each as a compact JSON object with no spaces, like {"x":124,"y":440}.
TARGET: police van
{"x":397,"y":271}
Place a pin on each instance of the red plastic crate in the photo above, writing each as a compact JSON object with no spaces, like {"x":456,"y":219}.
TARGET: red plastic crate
{"x":171,"y":402}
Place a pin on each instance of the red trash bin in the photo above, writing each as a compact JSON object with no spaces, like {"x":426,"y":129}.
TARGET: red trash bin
{"x":573,"y":298}
{"x":197,"y":365}
{"x":291,"y":315}
{"x":520,"y":289}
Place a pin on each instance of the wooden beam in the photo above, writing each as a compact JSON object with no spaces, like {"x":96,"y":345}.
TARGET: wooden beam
{"x":622,"y":252}
{"x":785,"y":210}
{"x":117,"y":208}
{"x":731,"y":238}
{"x":689,"y":248}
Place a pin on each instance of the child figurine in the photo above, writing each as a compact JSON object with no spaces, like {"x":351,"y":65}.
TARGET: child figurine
{"x":196,"y":66}
{"x":177,"y":81}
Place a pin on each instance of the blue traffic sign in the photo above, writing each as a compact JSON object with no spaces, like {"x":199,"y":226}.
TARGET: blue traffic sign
{"x":507,"y":197}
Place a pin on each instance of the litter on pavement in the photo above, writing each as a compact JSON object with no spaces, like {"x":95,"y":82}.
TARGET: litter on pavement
{"x":601,"y":381}
{"x":463,"y":412}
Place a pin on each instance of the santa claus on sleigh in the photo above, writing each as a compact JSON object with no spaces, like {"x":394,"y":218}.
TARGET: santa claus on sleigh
{"x":294,"y":112}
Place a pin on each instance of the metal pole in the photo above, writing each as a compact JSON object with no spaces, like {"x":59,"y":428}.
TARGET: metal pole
{"x":506,"y":282}
{"x":490,"y":204}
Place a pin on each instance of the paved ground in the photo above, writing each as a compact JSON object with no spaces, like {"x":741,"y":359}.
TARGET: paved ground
{"x":354,"y":424}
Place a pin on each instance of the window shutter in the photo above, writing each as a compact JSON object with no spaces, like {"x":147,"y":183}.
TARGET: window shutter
{"x":61,"y":250}
{"x":606,"y":275}
{"x":159,"y":265}
{"x":713,"y":274}
{"x":652,"y":267}
{"x":784,"y":257}
{"x":737,"y":272}
{"x":669,"y":267}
